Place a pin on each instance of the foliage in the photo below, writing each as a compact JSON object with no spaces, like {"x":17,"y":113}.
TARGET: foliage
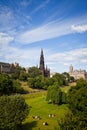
{"x":70,"y":122}
{"x":40,"y":82}
{"x":55,"y":95}
{"x":68,"y":77}
{"x":8,"y":85}
{"x":48,"y":82}
{"x":44,"y":82}
{"x":23,"y":76}
{"x":37,"y":82}
{"x":33,"y":72}
{"x":16,"y":87}
{"x":77,"y":100}
{"x":13,"y":111}
{"x":20,"y":73}
{"x":60,"y":79}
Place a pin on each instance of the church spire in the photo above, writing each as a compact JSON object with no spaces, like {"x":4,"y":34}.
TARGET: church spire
{"x":41,"y":52}
{"x":45,"y":72}
{"x":42,"y":62}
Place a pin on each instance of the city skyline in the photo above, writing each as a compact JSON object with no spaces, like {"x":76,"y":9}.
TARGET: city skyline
{"x":59,"y":27}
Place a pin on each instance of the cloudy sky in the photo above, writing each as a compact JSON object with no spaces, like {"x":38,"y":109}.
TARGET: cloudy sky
{"x":59,"y":27}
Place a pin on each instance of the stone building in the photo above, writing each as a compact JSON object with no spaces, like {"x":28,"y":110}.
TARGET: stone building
{"x":77,"y":74}
{"x":45,"y":71}
{"x":7,"y":68}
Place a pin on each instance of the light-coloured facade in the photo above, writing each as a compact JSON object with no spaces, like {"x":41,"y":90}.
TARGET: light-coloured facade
{"x":77,"y":74}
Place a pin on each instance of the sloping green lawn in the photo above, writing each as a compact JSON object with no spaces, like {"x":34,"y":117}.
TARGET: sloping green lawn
{"x":39,"y":106}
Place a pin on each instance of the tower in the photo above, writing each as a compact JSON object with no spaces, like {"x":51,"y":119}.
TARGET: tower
{"x":71,"y":69}
{"x":45,"y":72}
{"x":42,"y":68}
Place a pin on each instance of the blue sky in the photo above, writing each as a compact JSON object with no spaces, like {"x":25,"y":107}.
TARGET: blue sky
{"x":57,"y":26}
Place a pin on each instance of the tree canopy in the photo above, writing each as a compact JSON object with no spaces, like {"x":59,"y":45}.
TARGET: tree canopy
{"x":13,"y":111}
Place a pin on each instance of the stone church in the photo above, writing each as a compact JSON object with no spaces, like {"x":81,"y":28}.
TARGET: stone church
{"x":45,"y":71}
{"x":77,"y":74}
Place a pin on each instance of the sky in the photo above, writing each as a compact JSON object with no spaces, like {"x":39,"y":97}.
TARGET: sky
{"x":59,"y":27}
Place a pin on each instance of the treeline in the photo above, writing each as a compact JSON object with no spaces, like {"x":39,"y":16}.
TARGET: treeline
{"x":36,"y":80}
{"x":10,"y":83}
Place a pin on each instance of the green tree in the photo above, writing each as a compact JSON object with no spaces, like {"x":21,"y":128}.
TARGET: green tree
{"x":5,"y":84}
{"x":23,"y":76}
{"x":60,"y":79}
{"x":8,"y":85}
{"x":48,"y":82}
{"x":55,"y":95}
{"x":33,"y":72}
{"x":37,"y":82}
{"x":18,"y":71}
{"x":16,"y":87}
{"x":13,"y":111}
{"x":31,"y":82}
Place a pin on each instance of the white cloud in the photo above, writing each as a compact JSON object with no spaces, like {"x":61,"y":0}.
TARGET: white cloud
{"x":79,"y":28}
{"x":25,"y":2}
{"x":25,"y":57}
{"x":60,"y":62}
{"x":48,"y":31}
{"x":7,"y":20}
{"x":40,"y":6}
{"x":4,"y":38}
{"x":10,"y":21}
{"x":73,"y":56}
{"x":51,"y":30}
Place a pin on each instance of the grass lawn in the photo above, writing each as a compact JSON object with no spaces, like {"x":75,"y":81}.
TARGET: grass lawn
{"x":39,"y":106}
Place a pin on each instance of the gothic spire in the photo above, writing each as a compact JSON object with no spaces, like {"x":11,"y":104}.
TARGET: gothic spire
{"x":45,"y":71}
{"x":42,"y":62}
{"x":41,"y":52}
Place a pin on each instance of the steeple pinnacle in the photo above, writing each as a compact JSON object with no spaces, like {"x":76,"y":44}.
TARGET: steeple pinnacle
{"x":41,"y":52}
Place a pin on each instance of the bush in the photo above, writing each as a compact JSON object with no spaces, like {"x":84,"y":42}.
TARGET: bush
{"x":13,"y":110}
